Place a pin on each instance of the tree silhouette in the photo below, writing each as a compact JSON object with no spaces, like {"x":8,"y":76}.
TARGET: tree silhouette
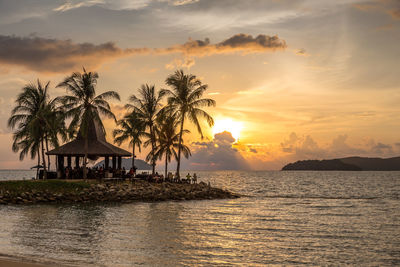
{"x":132,"y":129}
{"x":38,"y":120}
{"x":185,"y":100}
{"x":168,"y":139}
{"x":82,"y":104}
{"x":147,"y":106}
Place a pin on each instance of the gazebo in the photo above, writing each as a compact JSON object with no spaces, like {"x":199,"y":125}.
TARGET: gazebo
{"x":97,"y":147}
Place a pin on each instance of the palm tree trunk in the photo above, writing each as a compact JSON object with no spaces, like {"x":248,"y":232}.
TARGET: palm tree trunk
{"x":178,"y":165}
{"x":38,"y":162}
{"x":153,"y":147}
{"x":44,"y":162}
{"x":166,"y":166}
{"x":133,"y":157}
{"x":85,"y":158}
{"x":47,"y":150}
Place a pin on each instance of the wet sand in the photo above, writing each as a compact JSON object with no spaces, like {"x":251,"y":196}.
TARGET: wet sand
{"x":19,"y":263}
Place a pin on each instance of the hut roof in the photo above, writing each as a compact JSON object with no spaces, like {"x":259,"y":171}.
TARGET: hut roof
{"x":97,"y":144}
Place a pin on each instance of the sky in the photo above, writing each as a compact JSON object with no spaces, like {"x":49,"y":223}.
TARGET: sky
{"x":293,"y":80}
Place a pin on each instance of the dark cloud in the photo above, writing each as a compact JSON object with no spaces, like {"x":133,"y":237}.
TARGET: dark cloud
{"x":261,"y":42}
{"x":243,"y":43}
{"x":253,"y":150}
{"x":217,"y":154}
{"x":302,"y":52}
{"x":53,"y":55}
{"x":395,"y":13}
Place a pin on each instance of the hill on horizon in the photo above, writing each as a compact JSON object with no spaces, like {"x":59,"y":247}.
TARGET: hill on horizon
{"x":127,"y":164}
{"x":346,"y":164}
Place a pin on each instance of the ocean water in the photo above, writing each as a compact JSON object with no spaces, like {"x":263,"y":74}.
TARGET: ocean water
{"x":285,"y":218}
{"x":17,"y":174}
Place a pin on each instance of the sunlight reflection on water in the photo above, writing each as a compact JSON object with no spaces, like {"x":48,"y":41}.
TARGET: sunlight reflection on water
{"x":289,"y":218}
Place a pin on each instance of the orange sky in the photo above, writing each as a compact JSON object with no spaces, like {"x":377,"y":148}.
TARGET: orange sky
{"x":302,"y":79}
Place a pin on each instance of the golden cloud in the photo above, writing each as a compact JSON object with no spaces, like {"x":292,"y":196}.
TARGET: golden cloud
{"x":53,"y":55}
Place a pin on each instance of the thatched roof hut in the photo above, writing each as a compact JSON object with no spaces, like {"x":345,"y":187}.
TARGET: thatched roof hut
{"x":97,"y":147}
{"x":97,"y":144}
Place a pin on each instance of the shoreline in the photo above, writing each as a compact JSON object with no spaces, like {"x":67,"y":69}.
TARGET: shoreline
{"x":71,"y":191}
{"x":13,"y":261}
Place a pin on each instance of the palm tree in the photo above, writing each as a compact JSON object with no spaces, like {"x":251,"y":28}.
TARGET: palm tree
{"x":83,"y":106}
{"x":27,"y":143}
{"x":168,"y":139}
{"x":185,"y":100}
{"x":131,"y":128}
{"x":55,"y":126}
{"x":147,"y":107}
{"x":34,"y":116}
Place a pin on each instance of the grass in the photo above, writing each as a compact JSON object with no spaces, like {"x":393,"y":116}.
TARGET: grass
{"x":54,"y":186}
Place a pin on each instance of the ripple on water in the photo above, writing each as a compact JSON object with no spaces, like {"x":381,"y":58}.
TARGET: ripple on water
{"x":291,"y":218}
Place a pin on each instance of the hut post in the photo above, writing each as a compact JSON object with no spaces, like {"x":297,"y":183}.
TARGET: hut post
{"x":69,"y":162}
{"x":106,"y":162}
{"x":114,"y":163}
{"x":77,"y":161}
{"x":119,"y":162}
{"x":60,"y":166}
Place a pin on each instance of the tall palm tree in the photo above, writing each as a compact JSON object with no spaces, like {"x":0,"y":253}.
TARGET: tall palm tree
{"x":147,"y":106}
{"x":34,"y":116}
{"x":132,"y":128}
{"x":185,"y":99}
{"x":83,"y":105}
{"x":25,"y":141}
{"x":55,"y":126}
{"x":168,"y":139}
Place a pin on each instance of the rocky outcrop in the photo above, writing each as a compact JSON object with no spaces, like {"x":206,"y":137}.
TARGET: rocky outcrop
{"x":119,"y":192}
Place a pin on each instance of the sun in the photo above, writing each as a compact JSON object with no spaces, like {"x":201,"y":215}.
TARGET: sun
{"x":229,"y":125}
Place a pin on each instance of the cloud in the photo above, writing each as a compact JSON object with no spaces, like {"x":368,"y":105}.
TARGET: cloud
{"x":301,"y":148}
{"x":183,"y":2}
{"x":381,"y":148}
{"x":73,"y":5}
{"x":214,"y":93}
{"x":252,"y":150}
{"x":386,"y":27}
{"x":118,"y":4}
{"x":107,"y":4}
{"x":390,"y":7}
{"x":242,"y":43}
{"x":365,"y":7}
{"x":217,"y":154}
{"x":53,"y":55}
{"x":302,"y":52}
{"x":180,"y":63}
{"x":395,"y":13}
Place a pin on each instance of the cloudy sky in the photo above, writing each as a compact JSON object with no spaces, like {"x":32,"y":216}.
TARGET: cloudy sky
{"x":293,"y":80}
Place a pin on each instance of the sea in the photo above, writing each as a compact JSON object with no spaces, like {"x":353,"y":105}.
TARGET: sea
{"x":306,"y":218}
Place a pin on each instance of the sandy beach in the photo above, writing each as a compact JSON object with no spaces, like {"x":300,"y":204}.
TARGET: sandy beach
{"x":5,"y":262}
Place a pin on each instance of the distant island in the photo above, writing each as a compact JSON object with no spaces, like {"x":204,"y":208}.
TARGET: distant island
{"x":346,"y":164}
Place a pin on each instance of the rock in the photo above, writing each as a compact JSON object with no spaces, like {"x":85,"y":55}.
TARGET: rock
{"x":122,"y":192}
